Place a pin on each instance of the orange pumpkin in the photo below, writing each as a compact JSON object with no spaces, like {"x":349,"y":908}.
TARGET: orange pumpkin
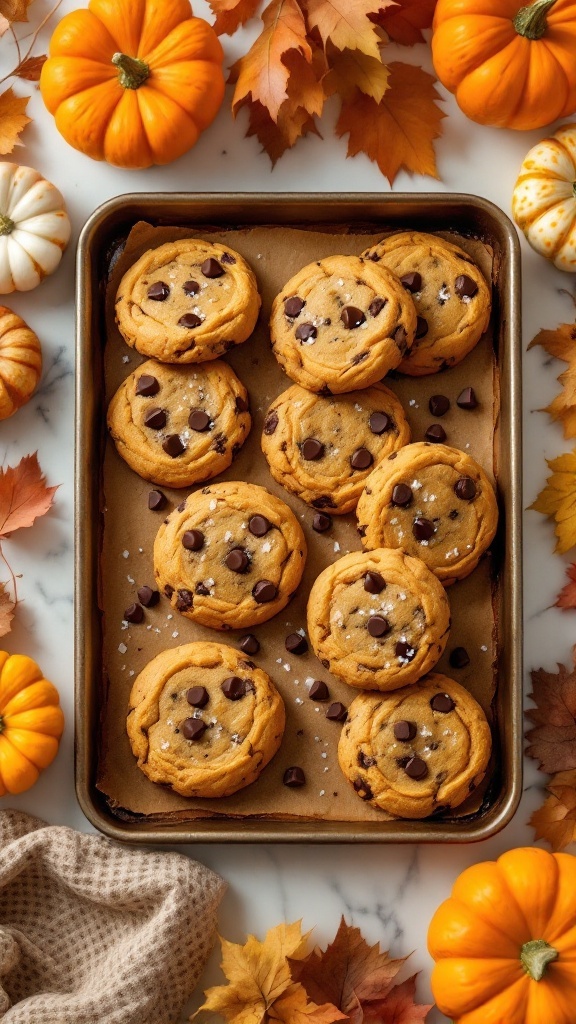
{"x":20,"y":362}
{"x":509,"y":65}
{"x":31,"y":723}
{"x":133,"y":82}
{"x":505,"y":942}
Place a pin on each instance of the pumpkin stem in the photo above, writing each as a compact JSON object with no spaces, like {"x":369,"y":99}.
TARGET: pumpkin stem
{"x":535,"y":956}
{"x":531,"y":21}
{"x":6,"y":225}
{"x":133,"y":71}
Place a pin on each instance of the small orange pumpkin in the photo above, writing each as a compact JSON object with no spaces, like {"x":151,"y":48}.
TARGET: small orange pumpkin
{"x":20,"y":362}
{"x":31,"y":723}
{"x":505,"y":942}
{"x":133,"y":82}
{"x":509,"y":64}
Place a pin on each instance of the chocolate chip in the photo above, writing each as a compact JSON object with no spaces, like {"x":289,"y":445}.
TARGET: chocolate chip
{"x":401,"y":495}
{"x":249,"y":644}
{"x":352,"y":317}
{"x":311,"y":449}
{"x":237,"y":560}
{"x":148,"y":597}
{"x":306,"y":331}
{"x":270,"y":423}
{"x":234,"y":688}
{"x":379,"y":422}
{"x":439,"y":405}
{"x":465,"y":488}
{"x":168,"y":590}
{"x":324,"y":501}
{"x":376,"y":306}
{"x":361,"y":459}
{"x":156,"y":500}
{"x":400,"y":336}
{"x":459,"y":657}
{"x":404,"y":731}
{"x":227,"y":257}
{"x":421,"y":327}
{"x":443,"y":703}
{"x":146,"y":386}
{"x":321,"y":522}
{"x":198,"y":420}
{"x":412,"y":282}
{"x":405,"y":650}
{"x":184,"y":601}
{"x":453,"y":514}
{"x":374,"y":583}
{"x":190,"y":320}
{"x":197,"y":696}
{"x":416,"y":768}
{"x":422,"y":528}
{"x":467,"y":399}
{"x":337,"y":712}
{"x":191,"y":287}
{"x":193,"y":540}
{"x":293,"y":306}
{"x":319,"y":691}
{"x":295,"y":643}
{"x":202,"y":590}
{"x":134,"y":613}
{"x":363,"y":789}
{"x":211,"y":268}
{"x":465,"y":286}
{"x":294,"y":777}
{"x":155,"y":419}
{"x":259,"y":526}
{"x":241,"y":404}
{"x":159,"y":291}
{"x":264,"y":591}
{"x":435,"y":433}
{"x":378,"y":626}
{"x":193,"y":728}
{"x":173,"y":446}
{"x":365,"y":761}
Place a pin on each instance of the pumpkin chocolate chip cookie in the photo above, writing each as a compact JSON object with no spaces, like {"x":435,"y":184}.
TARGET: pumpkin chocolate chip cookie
{"x":341,"y":324}
{"x":230,"y":556}
{"x":434,"y":502}
{"x":449,"y":291}
{"x":204,"y":720}
{"x":378,"y":619}
{"x":323,"y":448}
{"x":187,"y":301}
{"x":416,"y":750}
{"x":178,"y":425}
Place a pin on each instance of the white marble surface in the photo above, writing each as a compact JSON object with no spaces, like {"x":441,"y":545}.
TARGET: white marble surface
{"x":390,"y":892}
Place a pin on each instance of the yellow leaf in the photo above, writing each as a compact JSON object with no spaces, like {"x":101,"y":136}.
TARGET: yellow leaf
{"x":351,"y":70}
{"x":345,"y":23}
{"x":399,"y":131}
{"x":13,"y":120}
{"x":230,"y":14}
{"x":293,"y":1007}
{"x":561,"y":344}
{"x":558,"y":500}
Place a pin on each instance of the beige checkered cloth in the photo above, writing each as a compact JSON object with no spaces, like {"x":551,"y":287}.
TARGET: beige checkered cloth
{"x":93,"y":933}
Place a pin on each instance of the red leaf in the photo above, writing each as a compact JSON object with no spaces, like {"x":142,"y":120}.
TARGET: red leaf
{"x":404,"y":21}
{"x":567,"y":597}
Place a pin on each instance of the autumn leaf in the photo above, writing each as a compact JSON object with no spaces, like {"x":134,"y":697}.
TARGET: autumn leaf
{"x":557,"y":500}
{"x":351,"y":70}
{"x":399,"y":131}
{"x":355,"y":977}
{"x":555,"y":821}
{"x":24,"y":495}
{"x":13,"y":120}
{"x":7,"y":607}
{"x":30,"y":68}
{"x":345,"y":23}
{"x":398,"y":1007}
{"x":567,"y":597}
{"x":405,"y":19}
{"x":15,"y":10}
{"x":561,"y":344}
{"x":552,"y":740}
{"x":294,"y":1007}
{"x":231,"y":14}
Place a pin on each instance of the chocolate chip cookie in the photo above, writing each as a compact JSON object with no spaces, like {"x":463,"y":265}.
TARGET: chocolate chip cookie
{"x":204,"y":720}
{"x":230,"y":556}
{"x":434,"y":502}
{"x":450,"y":293}
{"x":378,"y":619}
{"x":340,"y":324}
{"x":323,"y":448}
{"x":416,"y":750}
{"x":187,"y":301}
{"x":177,"y":425}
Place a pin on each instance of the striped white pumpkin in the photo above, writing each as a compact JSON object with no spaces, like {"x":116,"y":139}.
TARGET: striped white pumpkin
{"x":34,"y":228}
{"x":544,"y":200}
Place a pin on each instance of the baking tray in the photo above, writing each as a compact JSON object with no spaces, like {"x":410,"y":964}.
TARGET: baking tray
{"x":466,"y":215}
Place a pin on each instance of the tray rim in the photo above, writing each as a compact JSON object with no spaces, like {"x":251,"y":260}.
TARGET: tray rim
{"x":86,"y":579}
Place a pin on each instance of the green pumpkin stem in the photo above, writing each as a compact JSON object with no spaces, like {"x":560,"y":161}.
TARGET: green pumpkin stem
{"x":531,"y":21}
{"x":133,"y":71}
{"x":6,"y":225}
{"x":535,"y":956}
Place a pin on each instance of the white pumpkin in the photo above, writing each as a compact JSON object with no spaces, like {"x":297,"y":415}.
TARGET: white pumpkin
{"x":34,"y":228}
{"x":544,"y":200}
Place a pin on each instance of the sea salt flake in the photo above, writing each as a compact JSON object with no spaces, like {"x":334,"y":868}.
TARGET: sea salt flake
{"x":322,"y":792}
{"x":483,"y":648}
{"x":125,"y":359}
{"x":175,"y":634}
{"x":266,"y":547}
{"x":336,"y":546}
{"x":228,"y":536}
{"x":122,"y":648}
{"x":286,"y":666}
{"x":125,"y":554}
{"x":323,"y":754}
{"x":298,"y":700}
{"x":213,"y":504}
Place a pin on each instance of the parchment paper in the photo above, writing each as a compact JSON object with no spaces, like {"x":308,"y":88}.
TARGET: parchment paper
{"x":129,"y":528}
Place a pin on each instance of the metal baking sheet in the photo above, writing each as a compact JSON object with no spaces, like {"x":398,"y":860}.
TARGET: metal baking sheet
{"x":101,"y":237}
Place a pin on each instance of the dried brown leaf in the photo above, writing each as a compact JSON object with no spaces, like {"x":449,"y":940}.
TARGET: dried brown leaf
{"x":231,"y":14}
{"x":555,"y":821}
{"x":351,"y":70}
{"x":13,"y":120}
{"x":552,"y":739}
{"x":15,"y":10}
{"x":7,"y":607}
{"x":24,"y":495}
{"x":30,"y":68}
{"x":405,"y":19}
{"x":346,"y":23}
{"x":567,"y":597}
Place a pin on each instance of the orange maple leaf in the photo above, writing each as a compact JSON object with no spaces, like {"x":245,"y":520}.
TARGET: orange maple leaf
{"x":555,"y":821}
{"x":351,"y":70}
{"x":567,"y":597}
{"x":13,"y":119}
{"x":7,"y":607}
{"x":346,"y":23}
{"x":30,"y":68}
{"x":231,"y":14}
{"x":399,"y":131}
{"x":561,"y":344}
{"x":24,"y":495}
{"x":405,"y":19}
